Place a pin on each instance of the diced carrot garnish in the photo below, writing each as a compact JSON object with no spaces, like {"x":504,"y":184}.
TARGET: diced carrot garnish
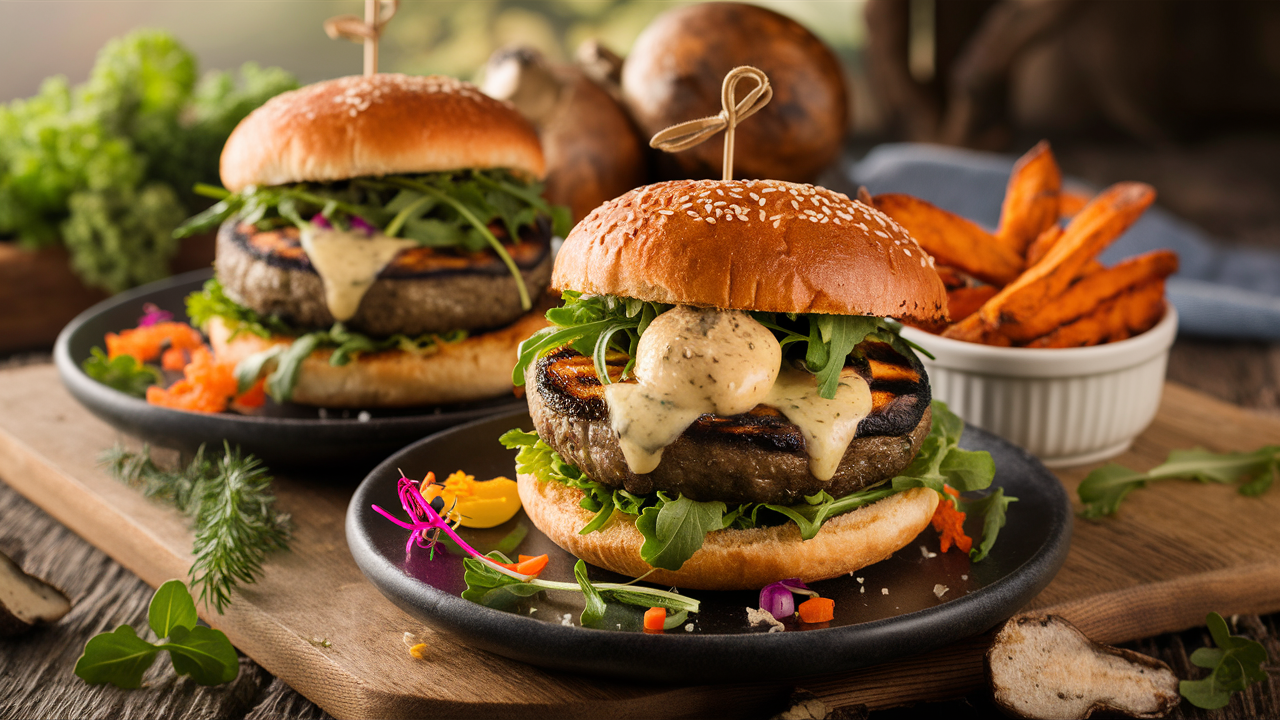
{"x":255,"y":396}
{"x":654,"y":618}
{"x":207,"y":386}
{"x":949,"y":521}
{"x":817,"y":610}
{"x":145,"y":343}
{"x":531,"y":565}
{"x":173,"y":359}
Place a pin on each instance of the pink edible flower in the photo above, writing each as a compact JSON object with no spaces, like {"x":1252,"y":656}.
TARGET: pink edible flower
{"x":152,"y":315}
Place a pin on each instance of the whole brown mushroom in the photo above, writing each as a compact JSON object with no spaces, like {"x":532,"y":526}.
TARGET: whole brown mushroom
{"x":594,"y":152}
{"x":675,"y":70}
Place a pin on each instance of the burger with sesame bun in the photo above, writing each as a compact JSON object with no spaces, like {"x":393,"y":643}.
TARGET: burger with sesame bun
{"x":382,"y":241}
{"x":721,"y":403}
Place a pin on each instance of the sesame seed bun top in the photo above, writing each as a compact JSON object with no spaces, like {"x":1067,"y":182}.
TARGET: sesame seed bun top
{"x":378,"y":125}
{"x":762,"y":245}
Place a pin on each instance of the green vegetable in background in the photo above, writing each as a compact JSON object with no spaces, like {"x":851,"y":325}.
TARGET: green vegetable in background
{"x":1235,"y":664}
{"x":1105,"y":488}
{"x":124,"y":373}
{"x":107,"y":167}
{"x":121,"y":657}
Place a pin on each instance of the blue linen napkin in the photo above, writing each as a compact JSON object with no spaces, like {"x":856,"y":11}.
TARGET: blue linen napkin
{"x":1219,"y":291}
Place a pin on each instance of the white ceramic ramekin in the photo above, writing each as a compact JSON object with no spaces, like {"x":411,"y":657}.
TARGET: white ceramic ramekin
{"x":1067,"y":406}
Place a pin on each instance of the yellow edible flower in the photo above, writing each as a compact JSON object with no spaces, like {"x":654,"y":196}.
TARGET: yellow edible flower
{"x":474,"y":504}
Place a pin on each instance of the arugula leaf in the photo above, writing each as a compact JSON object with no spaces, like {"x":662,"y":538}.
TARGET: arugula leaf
{"x":599,"y":324}
{"x":993,"y":509}
{"x":212,"y":302}
{"x":281,"y":382}
{"x":203,"y":653}
{"x":171,"y":607}
{"x":486,"y":586}
{"x":1105,"y":488}
{"x":119,"y":657}
{"x":674,"y":530}
{"x":593,"y":613}
{"x":1236,"y":663}
{"x":124,"y":372}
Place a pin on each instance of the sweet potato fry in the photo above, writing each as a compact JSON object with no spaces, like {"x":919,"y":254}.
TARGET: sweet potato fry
{"x":1043,"y":244}
{"x":1130,"y":313}
{"x":1090,"y":291}
{"x":1095,"y":227}
{"x":972,"y":329}
{"x":1030,"y":200}
{"x":951,"y":239}
{"x":951,"y":277}
{"x":1070,"y":203}
{"x":965,"y":301}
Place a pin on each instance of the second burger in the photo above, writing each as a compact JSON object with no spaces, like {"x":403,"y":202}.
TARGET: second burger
{"x":383,"y":242}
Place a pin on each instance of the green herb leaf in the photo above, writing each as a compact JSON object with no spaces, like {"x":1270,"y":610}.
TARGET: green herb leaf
{"x":1235,"y":664}
{"x":171,"y":607}
{"x":235,"y":527}
{"x":486,"y":586}
{"x":230,"y":502}
{"x":203,"y":653}
{"x":119,"y":657}
{"x":993,"y":509}
{"x":674,"y":531}
{"x":124,"y":373}
{"x":593,"y":613}
{"x":1105,"y":488}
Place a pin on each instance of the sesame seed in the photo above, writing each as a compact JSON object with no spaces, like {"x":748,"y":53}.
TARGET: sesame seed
{"x":775,"y":217}
{"x":769,"y":190}
{"x":907,"y":252}
{"x":825,"y":220}
{"x":776,"y":223}
{"x":711,"y":220}
{"x":795,"y":204}
{"x":720,"y":203}
{"x":691,"y":213}
{"x":686,"y":205}
{"x":923,"y":263}
{"x":885,"y":236}
{"x":665,"y":212}
{"x":761,"y":216}
{"x":755,"y":196}
{"x":719,"y":192}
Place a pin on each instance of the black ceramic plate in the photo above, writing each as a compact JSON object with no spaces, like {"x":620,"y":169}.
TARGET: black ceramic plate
{"x":883,"y":612}
{"x":282,"y":435}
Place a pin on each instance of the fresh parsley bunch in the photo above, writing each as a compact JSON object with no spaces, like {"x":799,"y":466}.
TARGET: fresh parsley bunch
{"x":106,"y":167}
{"x":121,"y":658}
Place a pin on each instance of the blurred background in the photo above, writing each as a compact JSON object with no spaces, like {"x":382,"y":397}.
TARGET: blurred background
{"x":1183,"y":94}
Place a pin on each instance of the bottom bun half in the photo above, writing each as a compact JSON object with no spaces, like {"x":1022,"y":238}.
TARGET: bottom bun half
{"x":735,"y":559}
{"x":476,"y":368}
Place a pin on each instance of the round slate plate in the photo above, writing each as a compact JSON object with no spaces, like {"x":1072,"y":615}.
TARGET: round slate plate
{"x":885,"y":611}
{"x":281,"y":435}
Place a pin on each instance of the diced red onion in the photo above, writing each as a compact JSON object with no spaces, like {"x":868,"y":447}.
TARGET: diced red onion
{"x":358,"y":223}
{"x":777,"y":600}
{"x":152,"y":315}
{"x":320,"y":221}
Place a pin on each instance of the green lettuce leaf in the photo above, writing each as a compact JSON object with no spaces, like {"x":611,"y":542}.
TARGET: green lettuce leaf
{"x":124,"y":373}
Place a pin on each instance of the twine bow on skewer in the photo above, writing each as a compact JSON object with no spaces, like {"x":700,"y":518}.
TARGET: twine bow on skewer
{"x":367,"y":31}
{"x":687,"y":134}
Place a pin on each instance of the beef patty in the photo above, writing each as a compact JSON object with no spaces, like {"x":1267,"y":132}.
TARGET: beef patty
{"x":758,"y":456}
{"x":423,"y":290}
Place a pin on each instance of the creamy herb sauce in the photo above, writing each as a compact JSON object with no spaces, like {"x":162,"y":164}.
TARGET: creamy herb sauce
{"x":348,"y":263}
{"x":693,"y":361}
{"x":828,"y":426}
{"x":690,"y":361}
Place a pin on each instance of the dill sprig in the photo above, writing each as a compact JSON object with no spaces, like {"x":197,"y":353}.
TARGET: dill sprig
{"x":230,"y":502}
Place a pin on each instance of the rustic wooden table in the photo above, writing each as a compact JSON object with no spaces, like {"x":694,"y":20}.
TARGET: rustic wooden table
{"x":1228,"y":187}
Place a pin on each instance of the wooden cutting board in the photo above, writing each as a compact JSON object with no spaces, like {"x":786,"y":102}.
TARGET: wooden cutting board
{"x":1176,"y":551}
